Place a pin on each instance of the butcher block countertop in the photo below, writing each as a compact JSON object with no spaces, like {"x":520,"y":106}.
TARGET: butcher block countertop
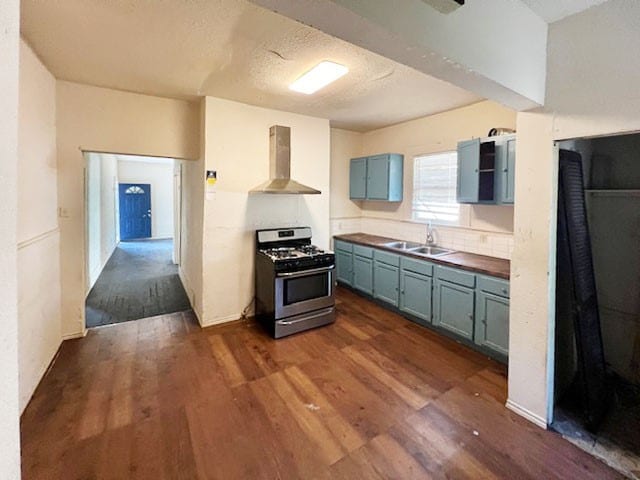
{"x":496,"y":267}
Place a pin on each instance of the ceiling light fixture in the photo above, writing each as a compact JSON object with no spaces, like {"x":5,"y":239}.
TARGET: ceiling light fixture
{"x":318,"y":77}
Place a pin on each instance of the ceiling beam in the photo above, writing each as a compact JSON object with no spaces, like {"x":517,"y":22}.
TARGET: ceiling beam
{"x":494,"y":48}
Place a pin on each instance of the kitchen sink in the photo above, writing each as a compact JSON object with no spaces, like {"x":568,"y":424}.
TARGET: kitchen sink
{"x":430,"y":251}
{"x":402,"y":245}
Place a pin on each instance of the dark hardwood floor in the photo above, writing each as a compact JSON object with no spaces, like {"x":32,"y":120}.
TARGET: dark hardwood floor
{"x":372,"y":396}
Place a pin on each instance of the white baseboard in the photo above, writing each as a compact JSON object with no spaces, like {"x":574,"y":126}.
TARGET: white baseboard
{"x":218,"y":321}
{"x":529,"y":415}
{"x":71,"y":336}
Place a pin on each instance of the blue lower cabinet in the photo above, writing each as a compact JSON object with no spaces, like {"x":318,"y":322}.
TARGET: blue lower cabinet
{"x":415,"y":295}
{"x":472,"y":306}
{"x":386,"y":283}
{"x":492,"y":322}
{"x":344,"y":267}
{"x":454,"y":307}
{"x":363,"y":274}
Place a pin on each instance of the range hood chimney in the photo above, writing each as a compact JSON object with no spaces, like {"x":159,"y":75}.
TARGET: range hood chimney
{"x":280,"y":166}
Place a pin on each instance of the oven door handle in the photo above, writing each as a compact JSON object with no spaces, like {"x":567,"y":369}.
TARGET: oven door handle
{"x":304,"y":273}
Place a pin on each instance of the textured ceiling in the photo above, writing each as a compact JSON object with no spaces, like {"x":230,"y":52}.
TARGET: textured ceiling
{"x":225,"y":48}
{"x":553,"y":10}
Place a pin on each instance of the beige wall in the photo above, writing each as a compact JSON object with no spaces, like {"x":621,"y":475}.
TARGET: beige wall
{"x":159,"y":174}
{"x":191,"y":237}
{"x":433,"y":134}
{"x":345,"y":145}
{"x":591,"y":90}
{"x":237,"y":147}
{"x":103,"y":120}
{"x":192,"y":220}
{"x":9,"y":409}
{"x":485,"y":230}
{"x":101,"y":211}
{"x":532,"y":268}
{"x":39,"y":302}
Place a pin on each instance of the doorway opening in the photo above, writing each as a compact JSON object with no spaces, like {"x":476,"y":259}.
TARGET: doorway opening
{"x":597,"y":332}
{"x":133,"y":230}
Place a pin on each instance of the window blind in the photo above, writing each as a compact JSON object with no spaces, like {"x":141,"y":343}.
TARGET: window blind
{"x":434,"y":188}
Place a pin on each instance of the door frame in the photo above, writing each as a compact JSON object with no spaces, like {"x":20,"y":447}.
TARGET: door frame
{"x":63,"y":213}
{"x":177,"y":211}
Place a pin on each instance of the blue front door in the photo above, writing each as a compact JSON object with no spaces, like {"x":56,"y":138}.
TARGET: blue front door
{"x":135,"y":210}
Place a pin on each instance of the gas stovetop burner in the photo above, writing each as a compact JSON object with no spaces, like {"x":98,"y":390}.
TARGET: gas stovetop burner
{"x":290,"y":250}
{"x":300,"y":251}
{"x":280,"y":253}
{"x":311,"y":250}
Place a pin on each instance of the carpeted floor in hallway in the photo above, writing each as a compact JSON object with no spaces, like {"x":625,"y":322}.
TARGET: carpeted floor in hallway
{"x":140,"y":280}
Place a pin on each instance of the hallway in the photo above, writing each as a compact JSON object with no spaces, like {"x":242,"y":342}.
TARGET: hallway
{"x":139,"y":280}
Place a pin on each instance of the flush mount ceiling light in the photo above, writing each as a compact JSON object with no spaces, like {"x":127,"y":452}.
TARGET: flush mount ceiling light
{"x":319,"y":76}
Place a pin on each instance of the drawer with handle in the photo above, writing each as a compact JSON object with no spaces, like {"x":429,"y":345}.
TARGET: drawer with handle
{"x":494,"y":285}
{"x":458,"y":277}
{"x":342,"y":246}
{"x":365,"y":252}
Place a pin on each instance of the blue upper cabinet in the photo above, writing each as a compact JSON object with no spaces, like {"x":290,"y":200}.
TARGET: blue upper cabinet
{"x":358,"y":179}
{"x":468,"y":171}
{"x":486,"y":170}
{"x":378,"y":177}
{"x":507,"y":170}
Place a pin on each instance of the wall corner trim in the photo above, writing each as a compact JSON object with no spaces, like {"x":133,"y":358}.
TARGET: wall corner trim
{"x":529,"y":415}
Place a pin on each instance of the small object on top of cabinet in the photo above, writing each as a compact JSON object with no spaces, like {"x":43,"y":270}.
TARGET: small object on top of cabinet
{"x":486,"y":169}
{"x":377,"y":177}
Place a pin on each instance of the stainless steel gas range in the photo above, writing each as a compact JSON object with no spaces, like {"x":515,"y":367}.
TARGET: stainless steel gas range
{"x":294,"y":281}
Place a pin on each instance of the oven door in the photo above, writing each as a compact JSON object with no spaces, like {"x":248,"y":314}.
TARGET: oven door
{"x":304,"y":291}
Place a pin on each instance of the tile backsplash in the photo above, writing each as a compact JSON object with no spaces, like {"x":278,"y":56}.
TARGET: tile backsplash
{"x":494,"y":244}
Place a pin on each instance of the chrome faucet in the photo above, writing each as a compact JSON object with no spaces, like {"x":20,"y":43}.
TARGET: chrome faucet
{"x":430,"y":236}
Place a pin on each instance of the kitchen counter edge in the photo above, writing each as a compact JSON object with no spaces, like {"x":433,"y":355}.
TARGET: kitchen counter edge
{"x":492,"y":266}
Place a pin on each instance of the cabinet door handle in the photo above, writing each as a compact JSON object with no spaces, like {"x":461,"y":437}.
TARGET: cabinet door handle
{"x":471,"y":316}
{"x":505,"y":170}
{"x":484,"y":321}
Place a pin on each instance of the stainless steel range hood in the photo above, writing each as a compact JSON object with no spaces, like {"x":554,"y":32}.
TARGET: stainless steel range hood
{"x":280,"y":166}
